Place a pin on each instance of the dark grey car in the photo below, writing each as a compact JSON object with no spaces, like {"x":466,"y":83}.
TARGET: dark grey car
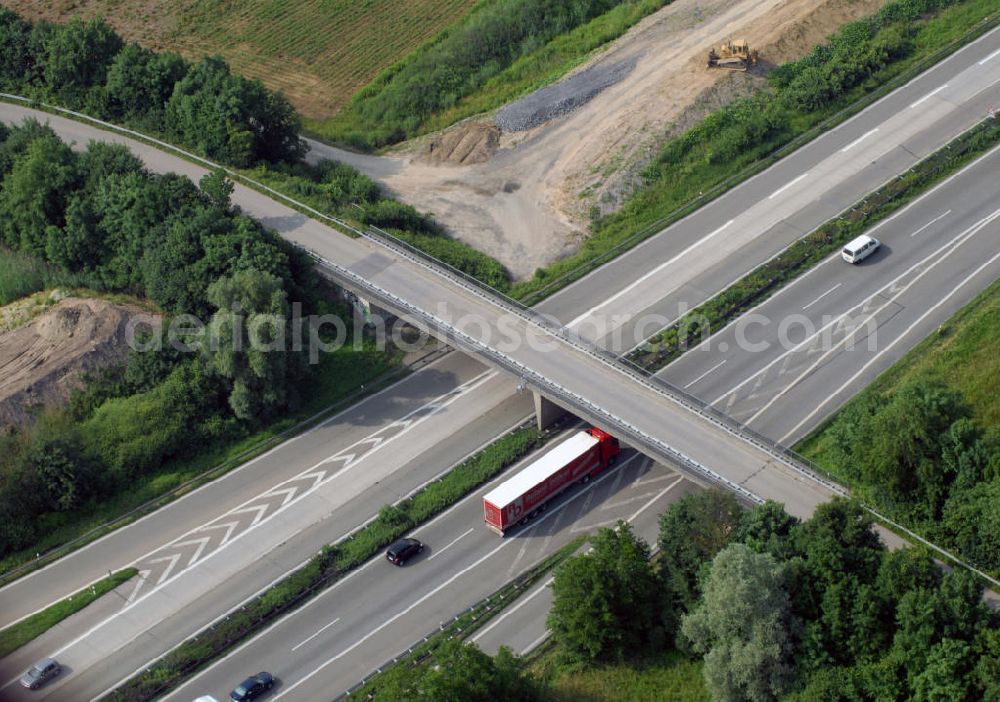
{"x":40,"y":673}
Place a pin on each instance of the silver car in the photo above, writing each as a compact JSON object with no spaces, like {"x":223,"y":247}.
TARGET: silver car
{"x":40,"y":673}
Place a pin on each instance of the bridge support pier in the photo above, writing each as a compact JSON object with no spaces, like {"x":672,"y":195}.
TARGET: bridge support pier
{"x":547,"y":412}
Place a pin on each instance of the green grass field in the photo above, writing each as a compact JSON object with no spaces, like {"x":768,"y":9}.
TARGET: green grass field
{"x":671,"y":678}
{"x":318,"y":52}
{"x":962,"y":355}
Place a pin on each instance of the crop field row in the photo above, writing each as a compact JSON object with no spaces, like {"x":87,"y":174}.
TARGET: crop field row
{"x":318,"y":52}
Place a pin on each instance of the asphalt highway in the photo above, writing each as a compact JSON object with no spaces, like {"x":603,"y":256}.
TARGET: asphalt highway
{"x":794,"y":359}
{"x":338,"y":638}
{"x":206,"y":553}
{"x":580,"y":298}
{"x":625,"y":301}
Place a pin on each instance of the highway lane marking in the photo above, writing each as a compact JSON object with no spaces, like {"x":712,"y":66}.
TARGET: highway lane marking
{"x":348,"y":456}
{"x":928,"y":95}
{"x":895,"y":341}
{"x":525,"y":600}
{"x":990,"y":57}
{"x":626,"y":501}
{"x":965,"y":236}
{"x":659,"y":495}
{"x":452,"y":543}
{"x":835,"y":287}
{"x":470,"y":385}
{"x":939,"y":67}
{"x":936,"y":219}
{"x":231,"y":474}
{"x":836,"y":255}
{"x":357,"y":571}
{"x":657,"y":479}
{"x":506,"y":542}
{"x":324,"y":628}
{"x":786,"y":186}
{"x":716,"y":367}
{"x":858,"y":140}
{"x":954,"y":243}
{"x":624,"y":291}
{"x":534,"y":644}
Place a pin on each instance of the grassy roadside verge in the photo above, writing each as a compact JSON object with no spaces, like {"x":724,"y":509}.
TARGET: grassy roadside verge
{"x":758,"y":285}
{"x":735,"y":143}
{"x":17,"y":635}
{"x":959,"y":359}
{"x":328,"y":566}
{"x":344,"y":380}
{"x":421,"y":655}
{"x":670,"y":676}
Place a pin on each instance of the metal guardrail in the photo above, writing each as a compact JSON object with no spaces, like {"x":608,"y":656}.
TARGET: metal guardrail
{"x":786,"y":456}
{"x":487,"y":608}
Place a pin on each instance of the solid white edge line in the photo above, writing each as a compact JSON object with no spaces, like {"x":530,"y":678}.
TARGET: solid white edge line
{"x":210,"y":483}
{"x":895,"y":341}
{"x":478,"y":494}
{"x":297,"y":567}
{"x":469,"y":385}
{"x":829,"y":259}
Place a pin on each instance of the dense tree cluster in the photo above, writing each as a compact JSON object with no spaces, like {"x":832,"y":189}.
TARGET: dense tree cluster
{"x":85,"y":65}
{"x":918,"y":455}
{"x":160,"y":237}
{"x":491,"y":38}
{"x":781,"y":609}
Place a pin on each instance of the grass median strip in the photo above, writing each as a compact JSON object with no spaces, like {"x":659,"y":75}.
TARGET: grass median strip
{"x":698,"y":324}
{"x":421,"y":655}
{"x":17,"y":635}
{"x":326,"y":567}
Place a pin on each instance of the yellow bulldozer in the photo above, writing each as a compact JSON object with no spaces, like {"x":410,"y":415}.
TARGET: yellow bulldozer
{"x":735,"y":54}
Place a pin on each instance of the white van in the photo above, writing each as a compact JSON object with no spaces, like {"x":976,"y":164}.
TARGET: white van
{"x":860,"y":249}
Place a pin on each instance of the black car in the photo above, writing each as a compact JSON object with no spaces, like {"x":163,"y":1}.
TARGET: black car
{"x":403,"y":550}
{"x":253,"y":687}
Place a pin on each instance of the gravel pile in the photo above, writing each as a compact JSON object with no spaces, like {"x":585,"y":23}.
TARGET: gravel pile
{"x":562,"y":98}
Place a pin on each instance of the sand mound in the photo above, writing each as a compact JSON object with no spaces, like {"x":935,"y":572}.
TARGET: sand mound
{"x":44,"y":360}
{"x":472,"y":142}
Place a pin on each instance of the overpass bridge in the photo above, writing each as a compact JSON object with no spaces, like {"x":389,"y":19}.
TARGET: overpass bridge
{"x":658,"y":419}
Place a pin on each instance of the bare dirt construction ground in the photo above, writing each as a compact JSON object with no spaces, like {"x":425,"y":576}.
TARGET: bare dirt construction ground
{"x":45,"y":359}
{"x":528,"y":204}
